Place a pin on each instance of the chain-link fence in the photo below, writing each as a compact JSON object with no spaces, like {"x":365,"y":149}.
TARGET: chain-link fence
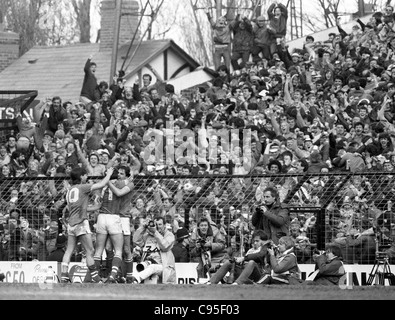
{"x":342,"y":207}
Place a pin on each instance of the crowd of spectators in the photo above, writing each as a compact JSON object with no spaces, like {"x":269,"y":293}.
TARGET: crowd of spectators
{"x":324,"y":108}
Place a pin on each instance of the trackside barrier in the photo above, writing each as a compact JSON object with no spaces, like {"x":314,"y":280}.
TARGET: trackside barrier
{"x":42,"y":273}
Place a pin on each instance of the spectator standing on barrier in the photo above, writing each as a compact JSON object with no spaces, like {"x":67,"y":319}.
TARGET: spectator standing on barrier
{"x":249,"y":268}
{"x":222,"y":40}
{"x":243,"y":40}
{"x":271,"y":217}
{"x":283,"y":263}
{"x":262,"y":41}
{"x":78,"y":225}
{"x":90,"y":82}
{"x":278,"y":17}
{"x":157,"y":259}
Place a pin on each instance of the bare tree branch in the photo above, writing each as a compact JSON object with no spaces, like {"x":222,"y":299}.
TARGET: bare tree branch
{"x":82,"y":9}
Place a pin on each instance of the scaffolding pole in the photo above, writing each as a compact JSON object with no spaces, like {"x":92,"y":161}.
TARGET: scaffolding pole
{"x":117,"y":27}
{"x":296,"y":18}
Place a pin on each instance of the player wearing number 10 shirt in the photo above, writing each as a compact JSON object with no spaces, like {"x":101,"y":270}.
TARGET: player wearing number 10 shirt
{"x":78,"y":228}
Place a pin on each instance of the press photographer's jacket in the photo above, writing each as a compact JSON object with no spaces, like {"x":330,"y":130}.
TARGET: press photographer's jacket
{"x":275,"y":222}
{"x":330,"y":271}
{"x":165,"y":243}
{"x":285,"y":267}
{"x":259,"y":256}
{"x":217,"y":241}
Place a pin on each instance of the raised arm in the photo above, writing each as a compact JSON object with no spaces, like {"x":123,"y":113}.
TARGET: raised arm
{"x":80,"y":154}
{"x":270,"y":11}
{"x":275,"y":124}
{"x":104,"y":182}
{"x":87,"y":67}
{"x":287,"y":94}
{"x":210,"y":18}
{"x":284,"y":10}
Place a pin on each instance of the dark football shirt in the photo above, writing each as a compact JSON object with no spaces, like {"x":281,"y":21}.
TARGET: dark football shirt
{"x":110,"y":202}
{"x":125,"y":204}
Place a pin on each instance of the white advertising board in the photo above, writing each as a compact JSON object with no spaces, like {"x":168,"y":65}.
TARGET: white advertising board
{"x":27,"y":272}
{"x":37,"y":272}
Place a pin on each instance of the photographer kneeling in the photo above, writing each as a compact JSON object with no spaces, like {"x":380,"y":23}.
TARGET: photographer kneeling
{"x":284,"y":265}
{"x":158,"y":258}
{"x":249,"y":268}
{"x":207,"y":247}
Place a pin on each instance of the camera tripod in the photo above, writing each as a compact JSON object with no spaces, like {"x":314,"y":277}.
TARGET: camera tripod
{"x":377,"y":276}
{"x":385,"y":273}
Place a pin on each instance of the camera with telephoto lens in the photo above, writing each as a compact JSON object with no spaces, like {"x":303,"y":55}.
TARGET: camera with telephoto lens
{"x":201,"y":241}
{"x":234,"y":262}
{"x":272,"y":246}
{"x":143,"y":265}
{"x":260,"y":209}
{"x":318,"y":252}
{"x":150,"y":224}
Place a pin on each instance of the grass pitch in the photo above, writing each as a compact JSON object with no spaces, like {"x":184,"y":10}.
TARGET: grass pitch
{"x":189,"y":292}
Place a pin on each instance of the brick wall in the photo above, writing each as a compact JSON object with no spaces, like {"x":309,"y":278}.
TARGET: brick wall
{"x":9,"y":49}
{"x":129,"y":22}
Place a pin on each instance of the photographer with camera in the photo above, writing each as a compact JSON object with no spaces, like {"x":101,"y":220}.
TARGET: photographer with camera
{"x":157,"y":258}
{"x":247,"y":268}
{"x":283,"y":262}
{"x":329,"y":267}
{"x":207,"y":247}
{"x":271,"y":217}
